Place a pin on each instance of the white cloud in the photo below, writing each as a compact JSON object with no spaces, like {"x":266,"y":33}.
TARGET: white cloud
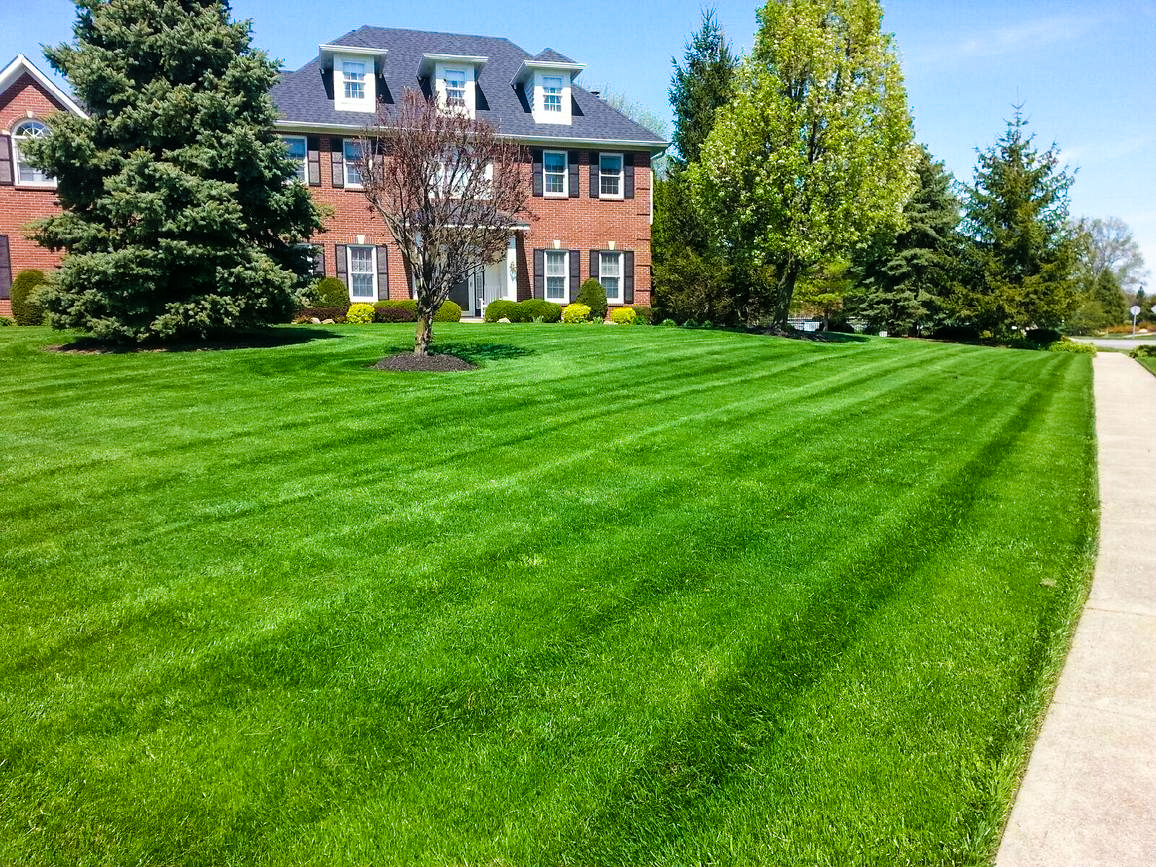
{"x":1013,"y":39}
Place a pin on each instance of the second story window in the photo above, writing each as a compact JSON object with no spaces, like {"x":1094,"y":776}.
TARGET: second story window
{"x":552,"y":93}
{"x":298,"y":153}
{"x":25,"y":173}
{"x":351,"y":151}
{"x":610,"y":176}
{"x":353,"y":72}
{"x":554,"y":173}
{"x":455,"y":87}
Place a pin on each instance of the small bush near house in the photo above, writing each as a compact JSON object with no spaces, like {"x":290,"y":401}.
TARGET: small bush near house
{"x":572,"y":314}
{"x":536,"y":308}
{"x":24,"y":310}
{"x":623,"y":316}
{"x":1072,"y":346}
{"x":393,"y":314}
{"x":593,"y":295}
{"x":448,"y":312}
{"x":496,"y":310}
{"x":6,"y":320}
{"x":643,"y":315}
{"x":669,"y":322}
{"x":307,"y":314}
{"x":359,"y":314}
{"x":690,"y":323}
{"x":331,"y":292}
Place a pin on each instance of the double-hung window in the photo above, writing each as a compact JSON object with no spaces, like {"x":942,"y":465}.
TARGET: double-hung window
{"x":552,"y":93}
{"x":351,"y":152}
{"x":455,"y":87}
{"x":353,"y":73}
{"x":362,"y":274}
{"x":554,"y":173}
{"x":610,"y":176}
{"x":557,"y":275}
{"x":298,"y":153}
{"x":610,"y":276}
{"x":25,"y":173}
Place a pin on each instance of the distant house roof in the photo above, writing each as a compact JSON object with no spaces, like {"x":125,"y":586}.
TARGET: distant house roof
{"x":21,"y":65}
{"x":305,"y":97}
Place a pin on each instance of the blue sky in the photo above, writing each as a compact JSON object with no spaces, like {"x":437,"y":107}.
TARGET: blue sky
{"x":1083,"y":72}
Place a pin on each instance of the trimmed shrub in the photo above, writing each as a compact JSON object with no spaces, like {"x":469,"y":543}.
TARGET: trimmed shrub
{"x":305,"y":314}
{"x":643,"y":315}
{"x":572,"y":314}
{"x":1043,"y":336}
{"x":669,"y":323}
{"x":592,"y":294}
{"x":537,"y":308}
{"x":331,"y":292}
{"x":690,"y":323}
{"x":448,"y":312}
{"x":706,"y":323}
{"x":623,"y":316}
{"x":6,"y":320}
{"x":1143,"y":352}
{"x":382,"y":313}
{"x":1072,"y":346}
{"x":359,"y":314}
{"x":496,"y":310}
{"x":24,"y":310}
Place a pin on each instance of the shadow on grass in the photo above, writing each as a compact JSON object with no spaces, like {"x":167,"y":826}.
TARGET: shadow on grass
{"x":264,"y":338}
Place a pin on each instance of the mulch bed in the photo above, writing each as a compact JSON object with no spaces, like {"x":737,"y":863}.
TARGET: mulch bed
{"x":433,"y":363}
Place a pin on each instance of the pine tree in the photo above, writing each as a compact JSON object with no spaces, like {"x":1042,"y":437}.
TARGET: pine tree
{"x":699,"y":88}
{"x":905,"y":279}
{"x":179,"y":215}
{"x":1107,"y":293}
{"x":1022,"y":254}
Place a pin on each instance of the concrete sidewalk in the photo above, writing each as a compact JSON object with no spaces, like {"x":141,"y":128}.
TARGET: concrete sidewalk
{"x":1089,"y":795}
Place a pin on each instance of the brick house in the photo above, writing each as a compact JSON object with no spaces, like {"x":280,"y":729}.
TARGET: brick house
{"x":589,"y":165}
{"x":27,"y":96}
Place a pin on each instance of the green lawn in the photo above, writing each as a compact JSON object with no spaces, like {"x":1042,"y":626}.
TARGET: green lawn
{"x":1148,"y":361}
{"x":620,"y":596}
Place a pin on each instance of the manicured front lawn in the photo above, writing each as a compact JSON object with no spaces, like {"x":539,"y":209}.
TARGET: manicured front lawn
{"x":620,"y":596}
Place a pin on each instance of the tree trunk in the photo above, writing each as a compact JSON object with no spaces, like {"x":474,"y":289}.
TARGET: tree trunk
{"x":784,"y":291}
{"x":424,"y":334}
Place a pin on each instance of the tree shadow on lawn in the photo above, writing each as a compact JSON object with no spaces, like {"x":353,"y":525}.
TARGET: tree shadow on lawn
{"x":264,"y":338}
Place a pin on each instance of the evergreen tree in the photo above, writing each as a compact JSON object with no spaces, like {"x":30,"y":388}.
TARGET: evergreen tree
{"x":905,"y":278}
{"x":699,"y":88}
{"x":1108,"y":294}
{"x":179,"y":215}
{"x":1022,"y":253}
{"x":813,"y":153}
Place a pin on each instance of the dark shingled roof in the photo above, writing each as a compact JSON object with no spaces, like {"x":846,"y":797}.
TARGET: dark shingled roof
{"x":305,"y":96}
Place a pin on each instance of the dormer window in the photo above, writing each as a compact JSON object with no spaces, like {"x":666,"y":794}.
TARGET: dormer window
{"x":455,"y":88}
{"x":552,"y":93}
{"x":353,"y":75}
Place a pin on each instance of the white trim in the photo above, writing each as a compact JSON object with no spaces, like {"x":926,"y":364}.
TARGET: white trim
{"x":616,"y":254}
{"x":12,"y":72}
{"x":530,"y":66}
{"x":345,"y":164}
{"x":46,"y":183}
{"x":565,"y":193}
{"x":621,"y":194}
{"x":565,"y":254}
{"x":304,"y":162}
{"x":361,"y":299}
{"x":367,"y":82}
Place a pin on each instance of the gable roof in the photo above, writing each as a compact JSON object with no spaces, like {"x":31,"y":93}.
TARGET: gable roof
{"x":305,"y":97}
{"x":21,"y":66}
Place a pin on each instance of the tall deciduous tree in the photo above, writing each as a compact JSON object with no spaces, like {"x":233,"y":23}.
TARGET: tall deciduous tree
{"x":450,"y":191}
{"x":905,"y":278}
{"x":1016,"y":215}
{"x":179,"y":214}
{"x":813,"y":154}
{"x":1107,"y":245}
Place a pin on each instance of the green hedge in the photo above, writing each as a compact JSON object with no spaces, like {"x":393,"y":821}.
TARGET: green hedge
{"x":593,"y":295}
{"x":331,"y":292}
{"x":24,"y":310}
{"x":496,"y":310}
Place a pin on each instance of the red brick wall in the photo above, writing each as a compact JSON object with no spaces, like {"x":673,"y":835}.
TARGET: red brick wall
{"x":578,"y":223}
{"x":20,"y":205}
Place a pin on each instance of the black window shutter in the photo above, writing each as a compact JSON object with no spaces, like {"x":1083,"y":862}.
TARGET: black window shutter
{"x":628,"y":175}
{"x":628,"y":277}
{"x":536,"y":156}
{"x":313,"y":162}
{"x":338,"y":158}
{"x":5,"y":269}
{"x":382,"y":272}
{"x":595,"y":270}
{"x":318,"y":261}
{"x":539,"y":273}
{"x":575,"y":272}
{"x":341,"y":265}
{"x":594,"y":169}
{"x":7,"y":176}
{"x":574,"y":158}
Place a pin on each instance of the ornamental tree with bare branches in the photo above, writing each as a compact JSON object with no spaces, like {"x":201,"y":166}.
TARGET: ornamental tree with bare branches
{"x":450,"y":190}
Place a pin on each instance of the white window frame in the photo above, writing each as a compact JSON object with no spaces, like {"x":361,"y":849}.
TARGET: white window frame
{"x":350,"y":153}
{"x":456,"y":96}
{"x":605,"y":256}
{"x":604,"y":175}
{"x":552,"y":93}
{"x":372,"y":273}
{"x":39,"y":178}
{"x":556,"y":256}
{"x":353,"y":87}
{"x":565,"y":192}
{"x":303,"y":163}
